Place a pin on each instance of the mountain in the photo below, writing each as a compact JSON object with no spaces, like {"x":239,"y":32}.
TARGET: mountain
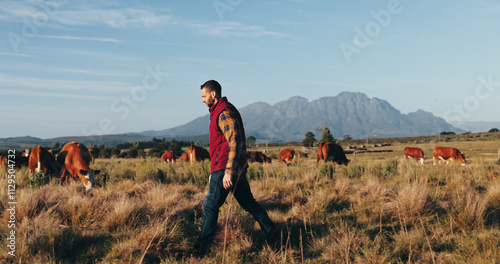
{"x":476,"y":126}
{"x":348,"y":113}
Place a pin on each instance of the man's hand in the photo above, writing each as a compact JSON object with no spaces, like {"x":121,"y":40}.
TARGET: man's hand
{"x":227,"y":181}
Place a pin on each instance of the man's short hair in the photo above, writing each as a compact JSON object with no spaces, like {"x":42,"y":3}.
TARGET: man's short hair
{"x":212,"y":85}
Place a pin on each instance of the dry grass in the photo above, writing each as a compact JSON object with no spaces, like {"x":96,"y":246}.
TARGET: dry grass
{"x":379,"y":209}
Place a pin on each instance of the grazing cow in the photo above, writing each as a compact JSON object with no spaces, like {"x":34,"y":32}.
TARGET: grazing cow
{"x":168,"y":157}
{"x":257,"y":156}
{"x":3,"y":159}
{"x":26,"y":153}
{"x":19,"y":160}
{"x":40,"y":160}
{"x":196,"y":153}
{"x":184,"y":156}
{"x":76,"y":158}
{"x":444,"y":153}
{"x":287,"y":155}
{"x":415,"y":153}
{"x":331,"y":152}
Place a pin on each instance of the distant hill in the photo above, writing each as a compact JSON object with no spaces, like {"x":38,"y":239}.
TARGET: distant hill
{"x":348,"y":113}
{"x":477,"y":126}
{"x":107,"y":140}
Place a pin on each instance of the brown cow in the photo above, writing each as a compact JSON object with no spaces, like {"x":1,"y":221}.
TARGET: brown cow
{"x":196,"y":153}
{"x":287,"y":155}
{"x":17,"y":161}
{"x":184,"y":157}
{"x":26,"y":153}
{"x":444,"y":153}
{"x":40,"y":160}
{"x":257,"y":156}
{"x":331,"y":152}
{"x":168,"y":157}
{"x":76,"y":158}
{"x":3,"y":159}
{"x":415,"y":153}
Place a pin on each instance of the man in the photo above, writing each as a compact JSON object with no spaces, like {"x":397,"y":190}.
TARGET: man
{"x":228,"y":167}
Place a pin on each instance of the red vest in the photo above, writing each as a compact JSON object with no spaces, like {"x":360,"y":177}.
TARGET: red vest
{"x":219,"y":148}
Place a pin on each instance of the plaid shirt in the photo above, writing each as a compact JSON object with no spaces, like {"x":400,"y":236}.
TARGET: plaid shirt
{"x":230,"y":126}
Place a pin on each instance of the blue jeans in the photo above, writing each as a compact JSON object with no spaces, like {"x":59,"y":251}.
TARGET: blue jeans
{"x":217,"y":196}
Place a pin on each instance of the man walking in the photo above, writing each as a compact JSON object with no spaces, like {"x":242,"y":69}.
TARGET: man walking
{"x":228,"y":167}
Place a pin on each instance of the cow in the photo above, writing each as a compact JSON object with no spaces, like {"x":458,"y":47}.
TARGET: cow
{"x":415,"y":153}
{"x":287,"y":155}
{"x":75,"y":158}
{"x":26,"y":153}
{"x":18,"y":160}
{"x":168,"y":157}
{"x":331,"y":152}
{"x":257,"y":156}
{"x":196,"y":153}
{"x":41,"y":160}
{"x":3,"y":159}
{"x":444,"y":153}
{"x":184,"y":157}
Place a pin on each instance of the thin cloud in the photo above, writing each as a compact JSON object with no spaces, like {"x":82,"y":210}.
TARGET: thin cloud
{"x":104,"y":55}
{"x":214,"y":61}
{"x":46,"y":85}
{"x":230,"y":29}
{"x":87,"y":16}
{"x":95,"y":73}
{"x":24,"y":93}
{"x":17,"y":54}
{"x":82,"y":38}
{"x":117,"y":18}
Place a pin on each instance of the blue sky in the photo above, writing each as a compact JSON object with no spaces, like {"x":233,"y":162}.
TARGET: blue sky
{"x":74,"y":68}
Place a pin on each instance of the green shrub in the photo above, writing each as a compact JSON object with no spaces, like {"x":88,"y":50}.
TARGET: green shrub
{"x":38,"y":179}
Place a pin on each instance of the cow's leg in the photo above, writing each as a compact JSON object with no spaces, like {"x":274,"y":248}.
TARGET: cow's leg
{"x":434,"y":160}
{"x":64,"y":176}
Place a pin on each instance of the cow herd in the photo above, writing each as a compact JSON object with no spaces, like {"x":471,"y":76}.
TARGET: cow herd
{"x":74,"y":159}
{"x":439,"y":154}
{"x":326,"y":152}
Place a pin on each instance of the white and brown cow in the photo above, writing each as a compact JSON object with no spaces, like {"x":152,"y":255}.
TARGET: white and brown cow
{"x":76,"y":158}
{"x":444,"y":153}
{"x":416,"y":153}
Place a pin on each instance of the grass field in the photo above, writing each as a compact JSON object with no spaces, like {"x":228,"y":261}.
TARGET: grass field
{"x":379,"y":209}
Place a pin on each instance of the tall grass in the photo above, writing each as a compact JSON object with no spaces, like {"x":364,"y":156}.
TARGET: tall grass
{"x":372,"y":211}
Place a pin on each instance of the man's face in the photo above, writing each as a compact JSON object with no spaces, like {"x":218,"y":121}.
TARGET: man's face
{"x":208,"y":97}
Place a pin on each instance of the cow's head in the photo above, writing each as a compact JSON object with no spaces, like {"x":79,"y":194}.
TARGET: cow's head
{"x":462,"y":159}
{"x":88,"y":178}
